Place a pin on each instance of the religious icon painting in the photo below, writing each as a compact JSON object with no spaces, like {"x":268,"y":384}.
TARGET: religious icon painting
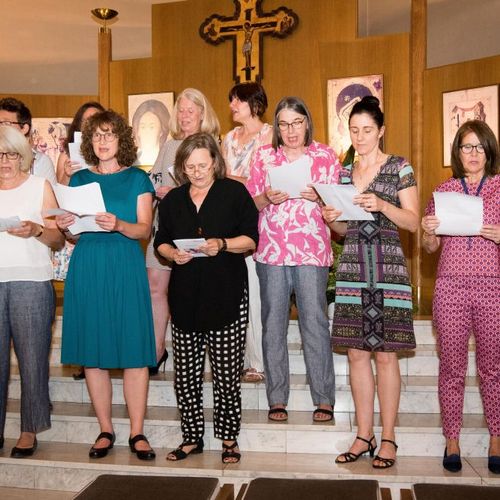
{"x":342,"y":95}
{"x":460,"y":106}
{"x":149,"y":116}
{"x":48,"y":136}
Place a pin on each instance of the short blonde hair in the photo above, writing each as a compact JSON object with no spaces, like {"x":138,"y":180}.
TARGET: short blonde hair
{"x":209,"y":121}
{"x":14,"y":141}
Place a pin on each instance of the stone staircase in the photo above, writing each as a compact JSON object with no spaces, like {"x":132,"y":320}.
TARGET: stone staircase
{"x":298,"y":448}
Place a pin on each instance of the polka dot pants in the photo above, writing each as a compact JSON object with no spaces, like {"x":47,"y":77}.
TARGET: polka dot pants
{"x":226,"y":349}
{"x":463,"y":305}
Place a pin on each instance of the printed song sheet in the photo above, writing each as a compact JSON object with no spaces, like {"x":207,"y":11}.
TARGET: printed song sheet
{"x":291,"y":178}
{"x":340,"y":196}
{"x":459,"y":214}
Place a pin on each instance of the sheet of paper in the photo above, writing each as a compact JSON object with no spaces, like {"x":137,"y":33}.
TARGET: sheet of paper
{"x":82,"y":201}
{"x":292,"y":178}
{"x":459,"y":214}
{"x":340,"y":196}
{"x":76,"y":155}
{"x":9,"y":223}
{"x":191,"y":246}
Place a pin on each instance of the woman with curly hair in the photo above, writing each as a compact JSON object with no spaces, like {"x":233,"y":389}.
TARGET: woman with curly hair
{"x":107,"y":321}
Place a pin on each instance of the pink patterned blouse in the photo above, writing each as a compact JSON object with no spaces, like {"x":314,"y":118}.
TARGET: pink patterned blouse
{"x":475,"y":255}
{"x":293,"y":233}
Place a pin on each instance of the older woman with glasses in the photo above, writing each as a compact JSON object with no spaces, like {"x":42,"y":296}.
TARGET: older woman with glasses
{"x":107,"y":321}
{"x":208,"y":289}
{"x":26,"y":295}
{"x":467,"y":290}
{"x":294,"y":255}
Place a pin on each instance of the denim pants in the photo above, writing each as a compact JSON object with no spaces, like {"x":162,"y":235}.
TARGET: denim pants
{"x":26,"y":315}
{"x":309,"y":284}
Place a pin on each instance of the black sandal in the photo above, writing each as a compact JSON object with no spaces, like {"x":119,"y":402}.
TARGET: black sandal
{"x":275,"y":411}
{"x":385,"y":462}
{"x":141,"y":454}
{"x":322,"y":411}
{"x":349,"y":456}
{"x":180,"y":454}
{"x":228,"y":452}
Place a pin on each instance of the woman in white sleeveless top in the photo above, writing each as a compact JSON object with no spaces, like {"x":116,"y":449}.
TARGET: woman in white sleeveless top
{"x":27,"y":302}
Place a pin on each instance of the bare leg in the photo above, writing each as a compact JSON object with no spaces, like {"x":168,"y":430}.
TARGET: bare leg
{"x":135,"y":390}
{"x":101,"y":391}
{"x":363,"y":393}
{"x":158,"y":287}
{"x":389,"y":391}
{"x":494,"y":446}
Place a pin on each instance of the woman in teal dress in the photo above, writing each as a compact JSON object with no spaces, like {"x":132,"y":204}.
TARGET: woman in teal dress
{"x":107,"y":321}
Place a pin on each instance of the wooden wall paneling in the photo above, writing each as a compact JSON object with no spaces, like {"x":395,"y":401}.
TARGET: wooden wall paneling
{"x":52,"y":106}
{"x":470,"y":74}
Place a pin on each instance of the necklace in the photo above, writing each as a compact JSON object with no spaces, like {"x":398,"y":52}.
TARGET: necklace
{"x":99,"y":171}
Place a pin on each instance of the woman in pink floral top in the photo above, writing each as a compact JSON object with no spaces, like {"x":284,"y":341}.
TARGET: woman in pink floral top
{"x":467,"y":291}
{"x":293,"y":255}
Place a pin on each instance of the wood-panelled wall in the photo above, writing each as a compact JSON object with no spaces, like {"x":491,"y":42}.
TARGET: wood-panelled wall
{"x":52,"y":106}
{"x":460,"y":76}
{"x":180,"y":58}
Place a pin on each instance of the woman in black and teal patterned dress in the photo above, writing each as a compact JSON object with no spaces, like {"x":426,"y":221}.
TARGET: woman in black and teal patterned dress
{"x":373,"y":305}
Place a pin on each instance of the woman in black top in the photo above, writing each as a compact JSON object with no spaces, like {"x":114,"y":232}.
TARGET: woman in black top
{"x":208,"y":294}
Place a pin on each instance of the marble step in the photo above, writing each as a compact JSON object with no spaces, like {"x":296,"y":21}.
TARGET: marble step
{"x":418,"y":394}
{"x":423,"y":361}
{"x":417,"y":434}
{"x":66,"y":467}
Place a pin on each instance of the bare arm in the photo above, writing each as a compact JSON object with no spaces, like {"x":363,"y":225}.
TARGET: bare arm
{"x":330,"y":215}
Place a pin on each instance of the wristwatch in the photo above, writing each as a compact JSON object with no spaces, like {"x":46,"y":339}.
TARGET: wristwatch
{"x":41,"y":231}
{"x":223,"y":248}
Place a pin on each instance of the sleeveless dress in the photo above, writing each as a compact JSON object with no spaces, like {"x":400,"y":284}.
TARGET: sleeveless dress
{"x":107,"y":319}
{"x":373,"y":298}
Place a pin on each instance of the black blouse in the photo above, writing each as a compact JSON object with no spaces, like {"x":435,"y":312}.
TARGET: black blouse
{"x":206,"y":293}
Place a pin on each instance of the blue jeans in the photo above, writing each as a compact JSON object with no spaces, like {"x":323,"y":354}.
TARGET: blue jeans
{"x":309,"y":284}
{"x":26,"y":315}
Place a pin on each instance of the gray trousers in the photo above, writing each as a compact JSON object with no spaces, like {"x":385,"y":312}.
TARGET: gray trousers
{"x":309,"y":284}
{"x":26,"y":315}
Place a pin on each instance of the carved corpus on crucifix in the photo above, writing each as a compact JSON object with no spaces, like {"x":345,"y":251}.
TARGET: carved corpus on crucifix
{"x":247,"y":28}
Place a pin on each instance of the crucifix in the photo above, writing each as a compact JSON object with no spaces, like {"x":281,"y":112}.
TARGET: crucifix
{"x":247,"y":28}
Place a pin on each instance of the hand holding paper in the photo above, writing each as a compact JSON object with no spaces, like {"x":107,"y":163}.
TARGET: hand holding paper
{"x":341,"y":197}
{"x":291,"y":178}
{"x":9,"y":223}
{"x":459,"y":214}
{"x":191,"y":246}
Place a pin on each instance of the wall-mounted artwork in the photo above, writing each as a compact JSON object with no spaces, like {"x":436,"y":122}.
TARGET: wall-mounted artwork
{"x":342,"y":95}
{"x":48,"y":136}
{"x":149,"y":116}
{"x":460,"y":106}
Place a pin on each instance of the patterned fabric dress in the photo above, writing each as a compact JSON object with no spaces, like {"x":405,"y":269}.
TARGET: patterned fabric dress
{"x":373,"y":301}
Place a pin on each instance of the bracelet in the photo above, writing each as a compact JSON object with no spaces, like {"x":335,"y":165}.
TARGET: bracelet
{"x":41,"y":231}
{"x":223,"y":248}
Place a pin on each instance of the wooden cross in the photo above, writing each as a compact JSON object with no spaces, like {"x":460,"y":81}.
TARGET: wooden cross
{"x":247,"y":28}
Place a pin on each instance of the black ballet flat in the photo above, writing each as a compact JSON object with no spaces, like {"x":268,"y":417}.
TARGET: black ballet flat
{"x":23,"y":452}
{"x":494,"y":464}
{"x":141,"y":454}
{"x":154,"y":370}
{"x":453,"y":462}
{"x":102,"y":452}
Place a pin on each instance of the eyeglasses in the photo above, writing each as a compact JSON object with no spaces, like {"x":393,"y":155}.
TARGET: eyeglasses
{"x":296,"y":124}
{"x":8,"y":123}
{"x":108,"y":136}
{"x":467,"y":148}
{"x":189,"y":169}
{"x":10,"y":155}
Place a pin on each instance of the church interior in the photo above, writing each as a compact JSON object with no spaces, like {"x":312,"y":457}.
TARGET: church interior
{"x":424,"y":49}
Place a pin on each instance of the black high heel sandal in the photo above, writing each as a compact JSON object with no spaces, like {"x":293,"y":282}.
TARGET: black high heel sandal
{"x":153,"y":370}
{"x":180,"y":454}
{"x":228,"y":453}
{"x":349,"y":456}
{"x":385,"y":463}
